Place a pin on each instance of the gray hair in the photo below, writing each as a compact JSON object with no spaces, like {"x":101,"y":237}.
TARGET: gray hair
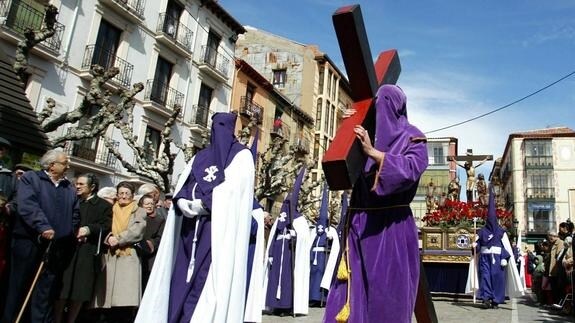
{"x":147,"y":188}
{"x":50,"y":157}
{"x":107,"y":192}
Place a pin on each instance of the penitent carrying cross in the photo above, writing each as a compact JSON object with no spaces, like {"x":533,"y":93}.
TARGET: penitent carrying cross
{"x":344,"y":159}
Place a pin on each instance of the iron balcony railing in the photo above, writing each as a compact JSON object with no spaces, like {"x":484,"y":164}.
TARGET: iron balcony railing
{"x":162,"y":94}
{"x":200,"y":115}
{"x":280,"y":129}
{"x":540,"y":193}
{"x":301,"y":144}
{"x":171,"y":27}
{"x":251,"y":109}
{"x":217,"y":61}
{"x":105,"y":58}
{"x":20,"y":16}
{"x":87,"y":149}
{"x":538,"y":161}
{"x":135,"y":6}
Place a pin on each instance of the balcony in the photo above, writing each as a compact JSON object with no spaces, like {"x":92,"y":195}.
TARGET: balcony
{"x":161,"y":98}
{"x":251,"y":110}
{"x":540,"y":193}
{"x":280,"y":129}
{"x":98,"y":55}
{"x":301,"y":144}
{"x":174,"y":35}
{"x":132,"y":10}
{"x":17,"y":17}
{"x":214,"y":63}
{"x":538,"y":162}
{"x":200,"y":118}
{"x":92,"y":154}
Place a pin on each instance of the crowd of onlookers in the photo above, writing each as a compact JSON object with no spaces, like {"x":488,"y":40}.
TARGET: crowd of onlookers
{"x":550,"y":269}
{"x":71,"y":250}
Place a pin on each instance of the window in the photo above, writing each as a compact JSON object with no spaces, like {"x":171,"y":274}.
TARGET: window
{"x":316,"y":147}
{"x":327,"y":116}
{"x":318,"y":114}
{"x":106,"y":46}
{"x":331,"y":120}
{"x":161,"y":82}
{"x":320,"y":81}
{"x":152,"y":142}
{"x":250,"y":92}
{"x":538,"y":148}
{"x":438,"y":157}
{"x":279,"y":78}
{"x":171,"y":22}
{"x":329,"y":83}
{"x":204,"y":101}
{"x":211,"y":54}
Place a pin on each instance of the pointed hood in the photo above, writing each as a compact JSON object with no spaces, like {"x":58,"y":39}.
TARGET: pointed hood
{"x":295,"y":194}
{"x":254,"y":147}
{"x":322,"y":221}
{"x":254,"y":150}
{"x":492,"y":231}
{"x":209,"y":163}
{"x":284,"y":218}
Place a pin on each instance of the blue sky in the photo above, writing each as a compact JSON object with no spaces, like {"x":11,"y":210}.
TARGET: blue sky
{"x":460,"y":59}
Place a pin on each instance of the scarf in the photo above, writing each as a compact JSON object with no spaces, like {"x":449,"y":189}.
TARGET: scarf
{"x":120,"y":222}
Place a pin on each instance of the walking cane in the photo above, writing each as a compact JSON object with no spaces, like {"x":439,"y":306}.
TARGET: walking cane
{"x":474,"y":260}
{"x":38,"y":272}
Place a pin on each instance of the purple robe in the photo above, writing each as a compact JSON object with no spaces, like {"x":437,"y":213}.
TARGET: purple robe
{"x":318,"y":252}
{"x":223,"y":147}
{"x":382,"y":237}
{"x":492,"y":276}
{"x":279,"y":294}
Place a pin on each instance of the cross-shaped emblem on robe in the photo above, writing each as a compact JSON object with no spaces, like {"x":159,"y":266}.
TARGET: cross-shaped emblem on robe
{"x":211,"y":173}
{"x":282,"y":217}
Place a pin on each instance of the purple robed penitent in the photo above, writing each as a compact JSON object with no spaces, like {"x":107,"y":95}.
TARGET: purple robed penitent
{"x":382,"y":237}
{"x":279,"y":294}
{"x":491,"y":251}
{"x":318,"y":252}
{"x":207,"y":172}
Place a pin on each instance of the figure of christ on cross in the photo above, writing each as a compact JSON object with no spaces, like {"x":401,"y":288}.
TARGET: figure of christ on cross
{"x":379,"y":117}
{"x":467,"y":164}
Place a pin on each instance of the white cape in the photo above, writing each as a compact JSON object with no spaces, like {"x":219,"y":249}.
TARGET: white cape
{"x":332,"y":260}
{"x":256,"y":294}
{"x":223,"y":296}
{"x":513,"y":287}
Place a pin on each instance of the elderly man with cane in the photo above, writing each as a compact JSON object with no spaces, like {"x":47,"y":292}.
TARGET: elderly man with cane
{"x":48,"y":215}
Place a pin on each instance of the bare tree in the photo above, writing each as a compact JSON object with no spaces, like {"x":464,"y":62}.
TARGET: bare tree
{"x":33,"y":38}
{"x":158,"y":166}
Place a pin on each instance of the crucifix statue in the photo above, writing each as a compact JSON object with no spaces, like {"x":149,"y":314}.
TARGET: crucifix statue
{"x":345,"y":159}
{"x":468,"y":160}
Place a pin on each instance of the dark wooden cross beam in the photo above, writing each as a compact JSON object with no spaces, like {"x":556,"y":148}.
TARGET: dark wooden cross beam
{"x":470,"y":157}
{"x":344,"y":159}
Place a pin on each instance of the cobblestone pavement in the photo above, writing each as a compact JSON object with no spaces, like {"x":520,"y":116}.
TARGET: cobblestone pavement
{"x":450,"y":309}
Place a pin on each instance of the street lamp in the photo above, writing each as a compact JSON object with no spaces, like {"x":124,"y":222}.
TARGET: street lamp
{"x":515,"y":226}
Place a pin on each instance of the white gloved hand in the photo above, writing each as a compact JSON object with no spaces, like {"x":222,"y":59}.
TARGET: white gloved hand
{"x":474,"y":245}
{"x":503,"y":262}
{"x":292,"y":232}
{"x":271,"y":260}
{"x":191,"y":208}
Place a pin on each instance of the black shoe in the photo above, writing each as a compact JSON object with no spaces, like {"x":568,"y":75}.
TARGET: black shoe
{"x":494,"y":305}
{"x":486,"y":304}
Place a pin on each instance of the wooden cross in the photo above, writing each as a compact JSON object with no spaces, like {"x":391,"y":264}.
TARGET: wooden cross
{"x":469,"y":158}
{"x":344,"y":159}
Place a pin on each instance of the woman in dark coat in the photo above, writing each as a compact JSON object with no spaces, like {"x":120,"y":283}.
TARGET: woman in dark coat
{"x":79,"y":277}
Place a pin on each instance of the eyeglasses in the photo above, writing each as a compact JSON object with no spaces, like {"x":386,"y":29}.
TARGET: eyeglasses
{"x":64,"y":163}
